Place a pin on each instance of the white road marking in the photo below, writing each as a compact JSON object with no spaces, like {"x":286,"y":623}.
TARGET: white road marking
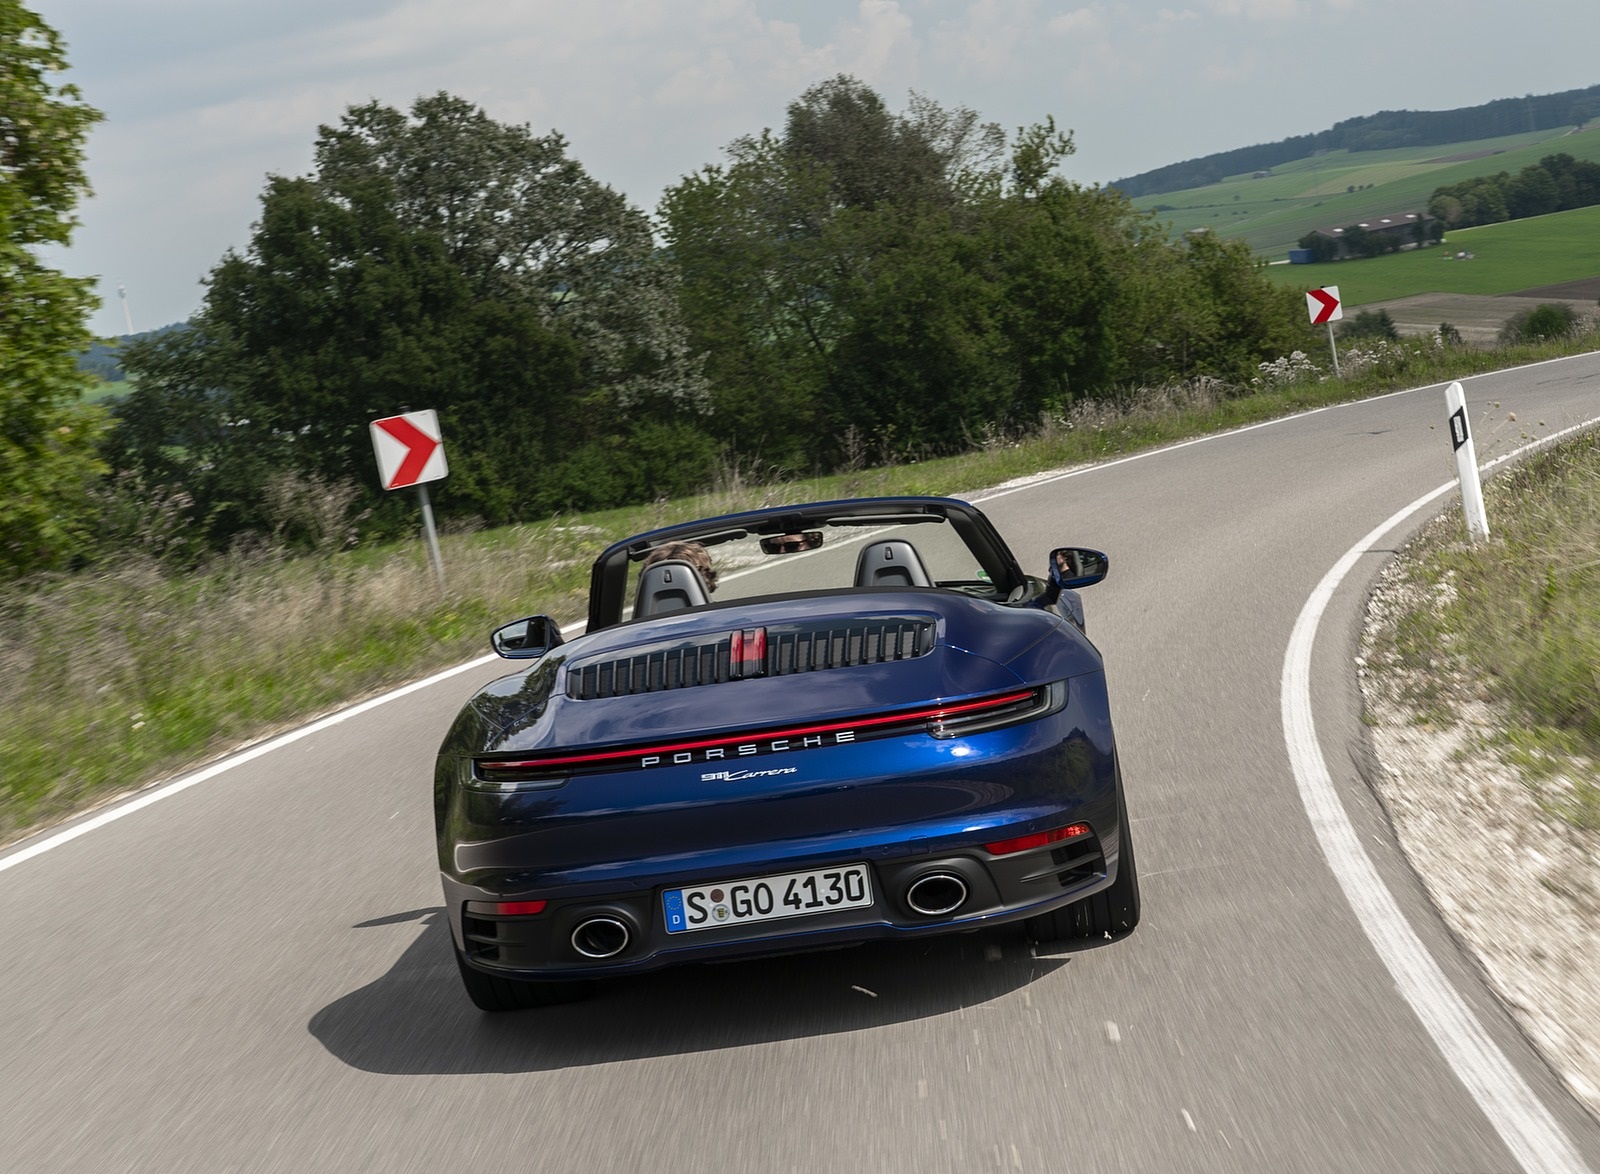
{"x":1080,"y":470}
{"x":1525,"y":1125}
{"x":1113,"y":1034}
{"x":1189,"y":1121}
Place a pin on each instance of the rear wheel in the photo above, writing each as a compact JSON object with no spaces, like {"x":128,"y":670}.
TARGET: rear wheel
{"x":1113,"y":910}
{"x":489,"y":993}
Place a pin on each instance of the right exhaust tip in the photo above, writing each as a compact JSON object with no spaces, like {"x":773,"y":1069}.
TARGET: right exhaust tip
{"x":601,"y":937}
{"x":936,"y":893}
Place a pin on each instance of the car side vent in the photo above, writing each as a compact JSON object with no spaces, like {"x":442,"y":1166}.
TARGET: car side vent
{"x":1079,"y":861}
{"x":790,"y":648}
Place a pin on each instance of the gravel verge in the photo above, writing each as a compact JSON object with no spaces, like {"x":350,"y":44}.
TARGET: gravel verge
{"x":1515,"y":882}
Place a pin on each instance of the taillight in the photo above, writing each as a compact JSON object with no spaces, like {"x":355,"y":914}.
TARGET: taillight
{"x":1037,"y":839}
{"x":993,"y":713}
{"x":507,"y":908}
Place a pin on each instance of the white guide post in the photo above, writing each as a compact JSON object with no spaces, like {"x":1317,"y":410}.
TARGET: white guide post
{"x":1455,"y":401}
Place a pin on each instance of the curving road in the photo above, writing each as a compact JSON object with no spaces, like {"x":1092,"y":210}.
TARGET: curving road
{"x":250,"y":973}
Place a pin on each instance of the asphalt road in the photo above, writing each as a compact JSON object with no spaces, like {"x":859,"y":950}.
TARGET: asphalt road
{"x":252,"y":973}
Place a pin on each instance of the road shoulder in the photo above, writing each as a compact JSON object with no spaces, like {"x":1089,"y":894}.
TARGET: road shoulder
{"x":1518,"y":885}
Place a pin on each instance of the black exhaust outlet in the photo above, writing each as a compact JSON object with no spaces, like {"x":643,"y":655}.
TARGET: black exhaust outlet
{"x":934,"y":894}
{"x":601,"y":936}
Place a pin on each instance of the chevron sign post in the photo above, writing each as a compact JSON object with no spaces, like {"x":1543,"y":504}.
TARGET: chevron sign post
{"x":410,"y":451}
{"x":1324,"y":306}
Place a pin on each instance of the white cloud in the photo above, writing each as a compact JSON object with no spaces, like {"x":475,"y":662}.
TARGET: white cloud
{"x":1258,"y":9}
{"x":1078,"y":22}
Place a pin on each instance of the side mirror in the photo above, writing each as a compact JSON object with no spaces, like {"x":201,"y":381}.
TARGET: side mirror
{"x":526,"y":638}
{"x":1072,"y":567}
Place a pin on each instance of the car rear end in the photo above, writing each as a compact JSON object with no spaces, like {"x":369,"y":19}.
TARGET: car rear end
{"x":809,"y":778}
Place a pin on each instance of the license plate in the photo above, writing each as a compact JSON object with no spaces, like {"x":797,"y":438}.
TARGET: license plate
{"x":767,"y":898}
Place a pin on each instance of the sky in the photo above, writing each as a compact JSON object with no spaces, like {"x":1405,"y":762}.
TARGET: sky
{"x":206,"y":98}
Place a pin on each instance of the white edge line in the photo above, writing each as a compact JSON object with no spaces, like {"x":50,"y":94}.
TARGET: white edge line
{"x":1523,"y":1122}
{"x":1096,"y":466}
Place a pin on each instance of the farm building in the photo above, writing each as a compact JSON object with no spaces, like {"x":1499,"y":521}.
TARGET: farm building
{"x":1372,"y":235}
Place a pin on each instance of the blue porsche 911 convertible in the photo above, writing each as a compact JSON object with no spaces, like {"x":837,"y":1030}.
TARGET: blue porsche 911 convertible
{"x":787,"y":729}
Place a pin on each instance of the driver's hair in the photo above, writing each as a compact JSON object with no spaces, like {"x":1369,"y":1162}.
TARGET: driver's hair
{"x":688,"y":552}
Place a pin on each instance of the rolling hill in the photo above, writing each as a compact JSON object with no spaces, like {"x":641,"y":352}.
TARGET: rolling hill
{"x":1273,"y":211}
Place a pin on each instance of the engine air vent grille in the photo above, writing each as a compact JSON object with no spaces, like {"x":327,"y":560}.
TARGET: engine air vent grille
{"x":790,"y":649}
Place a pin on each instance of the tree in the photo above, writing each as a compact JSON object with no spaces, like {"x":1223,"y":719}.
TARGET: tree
{"x":1545,"y":321}
{"x":1444,"y":208}
{"x":522,"y":221}
{"x":978,"y":288}
{"x":1532,"y":193}
{"x":872,"y":157}
{"x":437,"y":259}
{"x":1370,"y":324}
{"x":788,"y":250}
{"x":47,"y":438}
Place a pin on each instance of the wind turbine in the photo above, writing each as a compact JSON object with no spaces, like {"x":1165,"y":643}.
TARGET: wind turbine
{"x":127,"y":315}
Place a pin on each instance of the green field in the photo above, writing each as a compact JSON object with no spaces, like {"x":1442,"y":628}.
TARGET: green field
{"x":1274,"y":212}
{"x":106,"y":391}
{"x":1507,"y":258}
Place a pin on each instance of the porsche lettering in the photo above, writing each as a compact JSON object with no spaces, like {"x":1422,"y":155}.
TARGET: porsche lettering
{"x":748,"y":749}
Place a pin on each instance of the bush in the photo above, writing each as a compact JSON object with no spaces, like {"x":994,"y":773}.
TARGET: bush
{"x":1369,"y":324}
{"x":1545,"y":321}
{"x":1288,"y":370}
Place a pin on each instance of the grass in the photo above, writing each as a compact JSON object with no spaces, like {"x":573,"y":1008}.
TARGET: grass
{"x":1507,"y":258}
{"x":120,"y":676}
{"x":104,"y":391}
{"x":1515,"y":622}
{"x":1274,"y":212}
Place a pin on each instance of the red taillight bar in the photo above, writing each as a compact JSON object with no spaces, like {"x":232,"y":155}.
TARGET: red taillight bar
{"x":938,"y":713}
{"x":507,"y":908}
{"x":1037,"y":839}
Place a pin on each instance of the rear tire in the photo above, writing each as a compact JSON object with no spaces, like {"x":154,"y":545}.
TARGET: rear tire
{"x":489,"y":993}
{"x":1113,"y":910}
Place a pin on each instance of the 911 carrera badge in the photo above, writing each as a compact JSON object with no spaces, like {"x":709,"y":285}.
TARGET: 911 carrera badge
{"x":736,"y":776}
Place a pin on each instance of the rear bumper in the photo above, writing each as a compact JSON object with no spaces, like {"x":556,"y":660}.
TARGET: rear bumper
{"x":997,"y":890}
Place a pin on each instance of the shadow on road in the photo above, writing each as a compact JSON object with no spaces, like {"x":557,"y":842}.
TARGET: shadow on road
{"x":416,"y":1019}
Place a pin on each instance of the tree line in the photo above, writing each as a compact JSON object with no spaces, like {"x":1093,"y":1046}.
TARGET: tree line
{"x":863,"y":284}
{"x":1554,"y":184}
{"x":860,"y":284}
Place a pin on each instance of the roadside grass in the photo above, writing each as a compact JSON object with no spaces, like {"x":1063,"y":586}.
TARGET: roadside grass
{"x":120,"y":676}
{"x":1514,"y":622}
{"x":1507,"y":258}
{"x":1274,"y":212}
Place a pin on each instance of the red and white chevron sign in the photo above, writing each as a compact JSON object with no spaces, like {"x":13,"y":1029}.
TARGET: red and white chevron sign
{"x":1324,"y":305}
{"x":409,"y":448}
